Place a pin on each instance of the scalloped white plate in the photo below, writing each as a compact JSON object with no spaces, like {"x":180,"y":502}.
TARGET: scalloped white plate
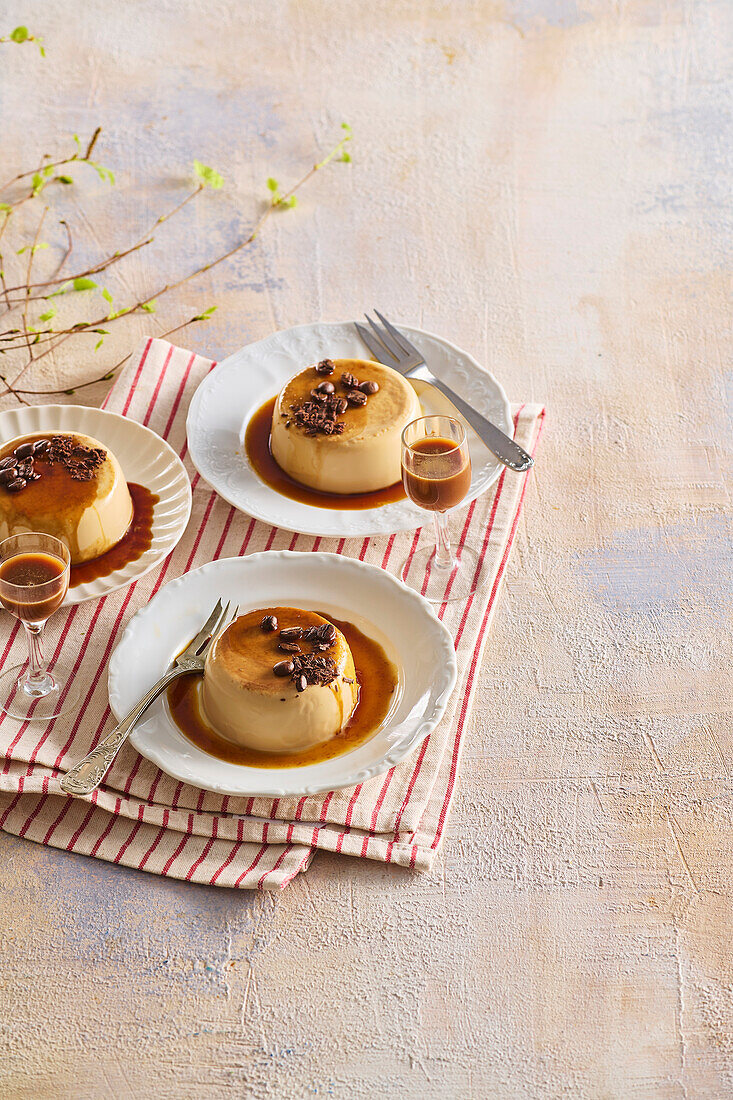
{"x":403,"y":622}
{"x":226,"y":399}
{"x":145,"y":459}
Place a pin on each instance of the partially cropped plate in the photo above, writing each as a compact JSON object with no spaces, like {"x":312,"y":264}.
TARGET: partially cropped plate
{"x":145,"y":458}
{"x":226,"y":399}
{"x":413,"y":637}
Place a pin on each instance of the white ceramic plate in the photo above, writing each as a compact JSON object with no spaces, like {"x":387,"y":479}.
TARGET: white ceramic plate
{"x":226,"y":399}
{"x":405,"y":624}
{"x":145,"y":459}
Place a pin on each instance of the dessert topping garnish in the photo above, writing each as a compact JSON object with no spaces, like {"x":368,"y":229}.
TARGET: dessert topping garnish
{"x":307,"y":668}
{"x":17,"y":469}
{"x":319,"y":415}
{"x":269,"y":623}
{"x":320,"y":412}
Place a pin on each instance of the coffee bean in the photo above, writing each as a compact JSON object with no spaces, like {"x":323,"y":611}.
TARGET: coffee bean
{"x":39,"y":446}
{"x":369,"y":387}
{"x":325,"y":366}
{"x":269,"y":623}
{"x":329,"y":633}
{"x":290,"y":633}
{"x":318,"y":396}
{"x":283,"y":668}
{"x":342,"y":405}
{"x":325,"y":387}
{"x":25,"y":450}
{"x":301,"y":683}
{"x":7,"y":475}
{"x":289,"y":647}
{"x":6,"y":463}
{"x":16,"y":485}
{"x":356,"y":397}
{"x":310,"y":633}
{"x":349,"y":380}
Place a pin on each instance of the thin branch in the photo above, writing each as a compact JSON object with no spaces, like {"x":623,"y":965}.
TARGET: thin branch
{"x":55,"y":163}
{"x":108,"y":375}
{"x":96,"y":269}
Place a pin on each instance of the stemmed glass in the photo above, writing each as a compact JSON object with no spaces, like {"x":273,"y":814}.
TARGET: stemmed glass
{"x":34,"y":578}
{"x":436,"y":471}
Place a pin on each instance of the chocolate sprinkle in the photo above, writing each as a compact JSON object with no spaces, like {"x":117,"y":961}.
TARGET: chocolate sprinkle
{"x":319,"y":415}
{"x":80,"y":461}
{"x":306,"y":668}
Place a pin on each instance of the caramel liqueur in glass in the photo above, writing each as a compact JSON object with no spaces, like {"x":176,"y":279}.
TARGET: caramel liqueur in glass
{"x":34,"y":578}
{"x":436,"y":472}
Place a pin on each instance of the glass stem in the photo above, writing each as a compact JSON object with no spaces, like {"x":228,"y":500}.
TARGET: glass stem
{"x":443,"y":552}
{"x":37,"y":680}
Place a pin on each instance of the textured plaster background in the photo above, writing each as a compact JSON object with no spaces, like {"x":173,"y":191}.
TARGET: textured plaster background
{"x":547,"y":183}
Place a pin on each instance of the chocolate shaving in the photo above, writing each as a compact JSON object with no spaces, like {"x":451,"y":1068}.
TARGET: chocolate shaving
{"x":315,"y":668}
{"x":80,"y":461}
{"x":319,"y":415}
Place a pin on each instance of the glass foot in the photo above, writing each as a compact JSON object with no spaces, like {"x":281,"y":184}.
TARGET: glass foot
{"x":440,"y":586}
{"x":54,"y":696}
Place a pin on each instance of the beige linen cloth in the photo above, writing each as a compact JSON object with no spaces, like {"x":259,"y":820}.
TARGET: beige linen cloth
{"x":143,"y":818}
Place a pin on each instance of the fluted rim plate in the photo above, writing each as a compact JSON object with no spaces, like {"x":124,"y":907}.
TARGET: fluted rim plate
{"x":226,"y":399}
{"x":145,"y":458}
{"x":420,"y":646}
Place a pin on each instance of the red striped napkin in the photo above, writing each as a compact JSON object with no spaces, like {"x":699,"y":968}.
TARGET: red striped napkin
{"x":141,"y":817}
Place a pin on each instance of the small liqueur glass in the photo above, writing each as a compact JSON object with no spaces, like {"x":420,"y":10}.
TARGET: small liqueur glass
{"x":34,"y":578}
{"x":436,"y":472}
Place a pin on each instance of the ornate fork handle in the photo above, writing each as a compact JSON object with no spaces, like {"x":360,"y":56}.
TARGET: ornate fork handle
{"x":86,"y":776}
{"x":506,"y":450}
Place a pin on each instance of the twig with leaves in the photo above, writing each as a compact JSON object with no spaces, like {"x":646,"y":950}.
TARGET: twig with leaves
{"x":50,"y":338}
{"x":20,"y":35}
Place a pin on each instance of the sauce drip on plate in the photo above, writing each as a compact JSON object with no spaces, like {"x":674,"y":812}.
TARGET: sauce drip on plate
{"x":377,"y":677}
{"x":257,"y":447}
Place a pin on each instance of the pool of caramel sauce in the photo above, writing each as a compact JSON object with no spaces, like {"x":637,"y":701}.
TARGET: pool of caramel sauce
{"x":133,"y":544}
{"x":259,"y":453}
{"x":377,"y":678}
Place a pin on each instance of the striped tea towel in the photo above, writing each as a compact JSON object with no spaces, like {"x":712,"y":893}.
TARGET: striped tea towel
{"x":143,"y":818}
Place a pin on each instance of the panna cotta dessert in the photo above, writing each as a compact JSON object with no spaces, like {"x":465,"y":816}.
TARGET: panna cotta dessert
{"x":279,"y":680}
{"x":67,"y":485}
{"x":336,"y":426}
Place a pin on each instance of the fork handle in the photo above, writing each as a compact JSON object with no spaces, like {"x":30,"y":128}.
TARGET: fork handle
{"x":506,"y":450}
{"x":86,"y":776}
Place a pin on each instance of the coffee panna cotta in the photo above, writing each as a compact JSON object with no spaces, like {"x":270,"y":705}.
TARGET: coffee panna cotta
{"x":67,"y":485}
{"x":279,"y":680}
{"x":336,"y":426}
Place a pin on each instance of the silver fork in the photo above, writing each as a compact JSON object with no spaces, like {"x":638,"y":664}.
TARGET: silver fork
{"x":86,"y":776}
{"x":392,"y":348}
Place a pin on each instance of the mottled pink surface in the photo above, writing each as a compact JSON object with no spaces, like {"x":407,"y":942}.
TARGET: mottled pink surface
{"x":545,"y":182}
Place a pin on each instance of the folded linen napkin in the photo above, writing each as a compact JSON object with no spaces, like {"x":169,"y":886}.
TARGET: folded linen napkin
{"x":143,"y":818}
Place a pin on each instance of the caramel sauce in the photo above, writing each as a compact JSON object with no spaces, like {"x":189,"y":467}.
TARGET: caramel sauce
{"x":439,"y":474}
{"x":257,"y":447}
{"x":377,"y":678}
{"x":34,"y":597}
{"x":132,"y":545}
